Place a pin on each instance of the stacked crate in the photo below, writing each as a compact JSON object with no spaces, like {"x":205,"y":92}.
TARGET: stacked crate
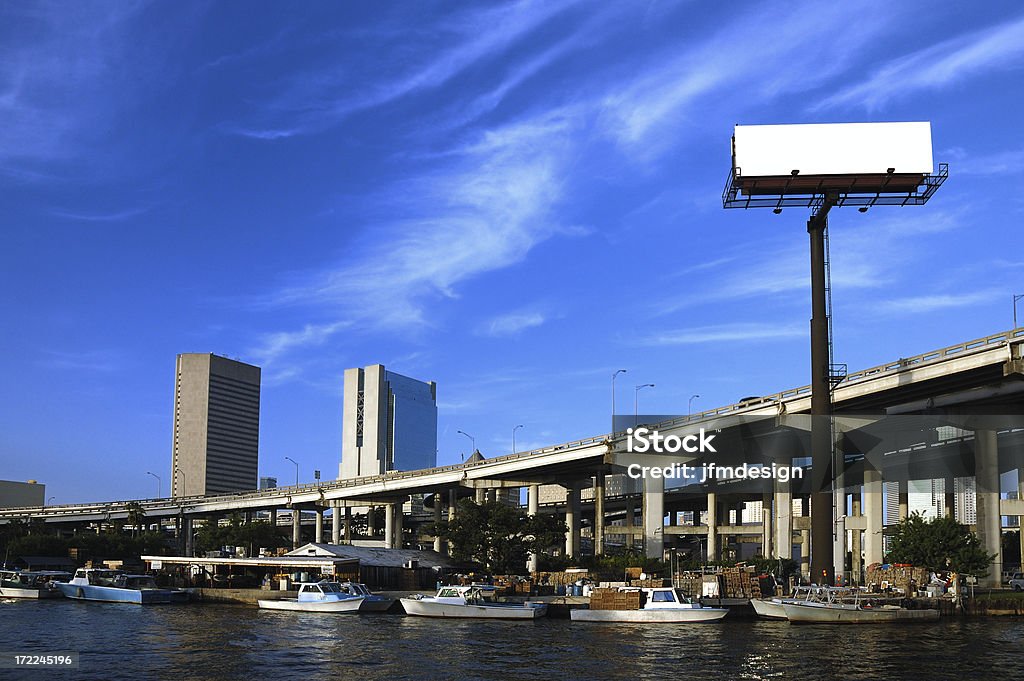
{"x":614,"y":599}
{"x":740,"y":582}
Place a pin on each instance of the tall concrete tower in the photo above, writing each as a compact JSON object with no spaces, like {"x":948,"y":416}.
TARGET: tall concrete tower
{"x":216,"y":425}
{"x":389,"y":423}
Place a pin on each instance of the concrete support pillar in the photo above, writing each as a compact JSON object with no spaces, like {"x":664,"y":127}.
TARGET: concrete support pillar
{"x":371,"y":520}
{"x":805,"y":556}
{"x":336,"y":522}
{"x":190,"y":547}
{"x":399,"y":526}
{"x":491,"y":496}
{"x":479,"y":495}
{"x":453,"y":505}
{"x":438,"y":542}
{"x":319,"y":535}
{"x":874,"y":516}
{"x":348,"y":525}
{"x":712,"y":537}
{"x":572,"y":519}
{"x":654,"y":517}
{"x":986,"y":486}
{"x":273,"y":517}
{"x":533,"y":508}
{"x":1020,"y":518}
{"x":177,"y":527}
{"x":783,"y":512}
{"x":599,"y":514}
{"x":856,"y":565}
{"x":296,"y":527}
{"x":389,"y":526}
{"x":839,"y":538}
{"x":767,"y":549}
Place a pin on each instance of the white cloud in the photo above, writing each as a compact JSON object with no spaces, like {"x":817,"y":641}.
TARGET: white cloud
{"x":511,"y":324}
{"x":932,"y":303}
{"x":724,"y":333}
{"x":997,"y":48}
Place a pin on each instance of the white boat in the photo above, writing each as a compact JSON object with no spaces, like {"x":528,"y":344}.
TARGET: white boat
{"x":371,"y":602}
{"x":834,"y":611}
{"x":771,"y":608}
{"x":658,"y":604}
{"x":114,"y":586}
{"x":320,"y":596}
{"x":31,"y":584}
{"x":474,"y":601}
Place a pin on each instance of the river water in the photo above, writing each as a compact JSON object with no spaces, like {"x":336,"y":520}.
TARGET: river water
{"x":238,"y":642}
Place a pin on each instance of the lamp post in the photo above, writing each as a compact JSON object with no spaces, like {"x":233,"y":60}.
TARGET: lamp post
{"x":1016,"y":297}
{"x":296,"y":469}
{"x":49,"y":500}
{"x":689,"y":405}
{"x":636,"y":401}
{"x":620,"y":371}
{"x":472,"y":441}
{"x":514,"y":437}
{"x":159,"y":494}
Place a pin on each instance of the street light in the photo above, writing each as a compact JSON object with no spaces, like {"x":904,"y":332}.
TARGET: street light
{"x":1015,"y":299}
{"x":620,"y":371}
{"x":49,"y":500}
{"x":689,"y":405}
{"x":636,"y":401}
{"x":296,"y":469}
{"x":158,"y":492}
{"x":514,"y":437}
{"x":472,"y":441}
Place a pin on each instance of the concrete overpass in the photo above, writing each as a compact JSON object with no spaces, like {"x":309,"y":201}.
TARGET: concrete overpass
{"x":961,"y":383}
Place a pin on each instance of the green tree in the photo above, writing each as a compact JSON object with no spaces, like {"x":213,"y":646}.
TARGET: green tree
{"x":499,"y":537}
{"x":136,"y":517}
{"x":938,"y":544}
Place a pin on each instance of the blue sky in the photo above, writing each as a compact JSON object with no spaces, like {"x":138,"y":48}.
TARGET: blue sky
{"x":513,"y":200}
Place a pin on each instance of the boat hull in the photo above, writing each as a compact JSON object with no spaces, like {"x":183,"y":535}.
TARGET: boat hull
{"x":822,"y":614}
{"x":654,"y":615}
{"x":426,"y":608}
{"x":376,"y":604}
{"x":110,"y":594}
{"x":15,"y":592}
{"x":769,"y":609}
{"x":348,"y":605}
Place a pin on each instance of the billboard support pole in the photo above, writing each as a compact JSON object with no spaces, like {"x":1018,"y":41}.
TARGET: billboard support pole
{"x":822,"y":500}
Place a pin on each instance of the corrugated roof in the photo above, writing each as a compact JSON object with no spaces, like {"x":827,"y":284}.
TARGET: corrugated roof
{"x":376,"y":557}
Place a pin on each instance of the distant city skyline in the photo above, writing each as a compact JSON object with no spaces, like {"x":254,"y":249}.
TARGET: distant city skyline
{"x":515,"y":200}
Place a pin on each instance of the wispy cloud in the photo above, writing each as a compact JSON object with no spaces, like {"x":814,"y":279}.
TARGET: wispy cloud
{"x":483,"y":212}
{"x":1000,"y":163}
{"x":991,"y":49}
{"x":723,"y":333}
{"x":932,"y":303}
{"x":510,"y":324}
{"x":88,"y":360}
{"x":645,"y":115}
{"x":274,"y":345}
{"x":320,"y":99}
{"x":56,"y":61}
{"x":117,"y":216}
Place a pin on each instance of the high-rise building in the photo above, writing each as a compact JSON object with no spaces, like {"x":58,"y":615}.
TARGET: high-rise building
{"x":216,"y":425}
{"x":389,"y":423}
{"x":268,"y":482}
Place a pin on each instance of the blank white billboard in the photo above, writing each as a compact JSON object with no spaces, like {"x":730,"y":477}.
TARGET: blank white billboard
{"x":833,"y":149}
